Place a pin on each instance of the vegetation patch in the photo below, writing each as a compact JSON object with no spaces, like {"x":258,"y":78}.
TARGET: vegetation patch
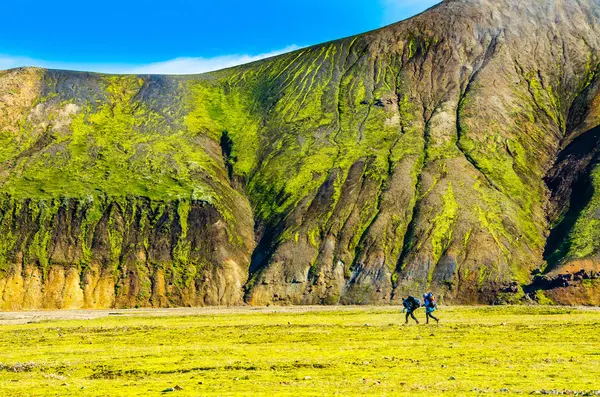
{"x":351,"y":351}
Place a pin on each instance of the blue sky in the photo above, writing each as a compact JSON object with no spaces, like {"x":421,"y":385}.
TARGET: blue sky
{"x":179,"y":36}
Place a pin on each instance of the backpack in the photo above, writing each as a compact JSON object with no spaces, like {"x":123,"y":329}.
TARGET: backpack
{"x":411,"y":303}
{"x":417,"y":303}
{"x":432,"y":300}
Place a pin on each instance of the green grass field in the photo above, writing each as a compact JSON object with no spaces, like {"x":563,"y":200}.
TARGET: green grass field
{"x":341,"y":351}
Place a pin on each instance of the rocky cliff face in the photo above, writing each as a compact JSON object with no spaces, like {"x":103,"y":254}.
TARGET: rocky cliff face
{"x":113,"y":194}
{"x":456,"y":151}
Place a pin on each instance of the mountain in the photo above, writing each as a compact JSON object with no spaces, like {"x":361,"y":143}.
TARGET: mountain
{"x":457,"y":151}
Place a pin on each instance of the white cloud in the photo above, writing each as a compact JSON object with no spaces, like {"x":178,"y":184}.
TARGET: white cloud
{"x":398,"y":10}
{"x":201,"y":65}
{"x":174,"y":66}
{"x":8,"y":62}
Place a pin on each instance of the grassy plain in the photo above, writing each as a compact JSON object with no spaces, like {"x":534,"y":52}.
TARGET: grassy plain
{"x":345,"y":351}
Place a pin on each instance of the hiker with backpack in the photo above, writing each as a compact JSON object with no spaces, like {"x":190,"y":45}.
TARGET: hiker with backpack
{"x":410,"y":305}
{"x":430,"y":306}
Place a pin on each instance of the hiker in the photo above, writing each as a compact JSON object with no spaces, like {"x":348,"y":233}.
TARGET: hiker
{"x":430,"y":306}
{"x":410,"y":305}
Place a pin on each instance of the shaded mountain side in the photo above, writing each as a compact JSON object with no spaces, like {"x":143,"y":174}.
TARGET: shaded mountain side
{"x":445,"y":152}
{"x":572,"y":275}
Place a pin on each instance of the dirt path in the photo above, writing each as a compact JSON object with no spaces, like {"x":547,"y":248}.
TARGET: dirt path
{"x":26,"y":317}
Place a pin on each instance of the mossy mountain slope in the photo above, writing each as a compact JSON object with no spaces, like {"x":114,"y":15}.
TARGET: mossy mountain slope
{"x":443,"y":152}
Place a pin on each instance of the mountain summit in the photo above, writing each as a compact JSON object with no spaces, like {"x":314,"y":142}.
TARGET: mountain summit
{"x":456,"y":152}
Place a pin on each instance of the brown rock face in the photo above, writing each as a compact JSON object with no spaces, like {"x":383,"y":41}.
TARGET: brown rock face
{"x":134,"y":255}
{"x":456,"y":152}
